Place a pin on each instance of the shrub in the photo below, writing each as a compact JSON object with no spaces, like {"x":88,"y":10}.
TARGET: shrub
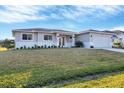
{"x":35,"y":46}
{"x":17,"y":48}
{"x":7,"y":43}
{"x":72,"y":46}
{"x":29,"y":48}
{"x":24,"y":47}
{"x":117,"y":44}
{"x":54,"y":46}
{"x":21,"y":47}
{"x":41,"y":46}
{"x":32,"y":47}
{"x":91,"y":46}
{"x":48,"y":46}
{"x":45,"y":46}
{"x":38,"y":47}
{"x":79,"y":44}
{"x":11,"y":46}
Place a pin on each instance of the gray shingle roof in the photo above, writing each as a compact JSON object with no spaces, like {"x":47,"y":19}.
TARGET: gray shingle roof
{"x":96,"y":31}
{"x":40,"y":30}
{"x":118,"y":31}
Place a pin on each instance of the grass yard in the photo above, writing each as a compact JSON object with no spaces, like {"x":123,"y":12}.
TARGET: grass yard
{"x":55,"y":67}
{"x":3,"y":49}
{"x":112,"y":81}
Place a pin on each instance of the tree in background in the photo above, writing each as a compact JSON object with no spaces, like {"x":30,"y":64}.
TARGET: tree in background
{"x":7,"y":43}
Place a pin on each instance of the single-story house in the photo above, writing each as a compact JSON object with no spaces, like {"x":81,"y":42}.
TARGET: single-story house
{"x":43,"y":37}
{"x":61,"y":38}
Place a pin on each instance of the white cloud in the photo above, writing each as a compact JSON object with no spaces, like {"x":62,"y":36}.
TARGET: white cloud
{"x":80,"y":13}
{"x":11,"y":14}
{"x":70,"y":27}
{"x":112,"y":28}
{"x":93,"y":11}
{"x":118,"y":28}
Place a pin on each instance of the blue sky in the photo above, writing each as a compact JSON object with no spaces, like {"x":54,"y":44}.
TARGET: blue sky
{"x":73,"y":18}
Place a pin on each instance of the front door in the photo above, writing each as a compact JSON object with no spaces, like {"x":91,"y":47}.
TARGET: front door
{"x":62,"y":41}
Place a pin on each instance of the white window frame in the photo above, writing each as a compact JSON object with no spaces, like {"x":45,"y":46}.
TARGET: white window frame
{"x":48,"y":39}
{"x":26,"y":34}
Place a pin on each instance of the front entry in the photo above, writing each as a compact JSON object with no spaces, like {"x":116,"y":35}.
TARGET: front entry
{"x":62,"y":41}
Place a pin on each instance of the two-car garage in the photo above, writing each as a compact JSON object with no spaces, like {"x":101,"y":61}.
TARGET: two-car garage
{"x":101,"y":41}
{"x":95,"y":39}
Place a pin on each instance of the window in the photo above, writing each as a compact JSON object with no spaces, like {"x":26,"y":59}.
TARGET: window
{"x":29,"y":36}
{"x":47,"y":37}
{"x":26,"y":36}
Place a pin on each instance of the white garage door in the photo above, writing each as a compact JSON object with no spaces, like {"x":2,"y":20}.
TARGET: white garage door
{"x":101,"y":41}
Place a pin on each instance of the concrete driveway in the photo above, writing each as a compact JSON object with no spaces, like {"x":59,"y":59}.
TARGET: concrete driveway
{"x":114,"y":49}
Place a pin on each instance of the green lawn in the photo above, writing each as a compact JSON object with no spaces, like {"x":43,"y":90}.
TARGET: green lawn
{"x":55,"y":67}
{"x":112,"y":81}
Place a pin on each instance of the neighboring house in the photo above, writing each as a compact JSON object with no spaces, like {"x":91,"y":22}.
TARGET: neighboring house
{"x":62,"y":38}
{"x":43,"y":37}
{"x":96,"y":39}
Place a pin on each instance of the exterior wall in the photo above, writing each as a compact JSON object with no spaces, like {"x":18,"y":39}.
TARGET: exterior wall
{"x":42,"y":42}
{"x":96,"y":40}
{"x":38,"y":39}
{"x":18,"y":37}
{"x":69,"y":41}
{"x":28,"y":43}
{"x":85,"y":38}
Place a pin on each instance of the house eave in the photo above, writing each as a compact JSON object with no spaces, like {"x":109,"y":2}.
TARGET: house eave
{"x":50,"y":31}
{"x":95,"y":32}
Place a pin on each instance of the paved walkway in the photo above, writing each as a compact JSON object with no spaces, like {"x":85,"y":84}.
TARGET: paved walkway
{"x":114,"y":49}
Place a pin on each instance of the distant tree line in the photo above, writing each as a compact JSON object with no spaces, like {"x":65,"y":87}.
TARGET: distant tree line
{"x":7,"y":43}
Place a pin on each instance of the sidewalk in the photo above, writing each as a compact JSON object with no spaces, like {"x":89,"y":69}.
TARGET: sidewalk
{"x":114,"y":49}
